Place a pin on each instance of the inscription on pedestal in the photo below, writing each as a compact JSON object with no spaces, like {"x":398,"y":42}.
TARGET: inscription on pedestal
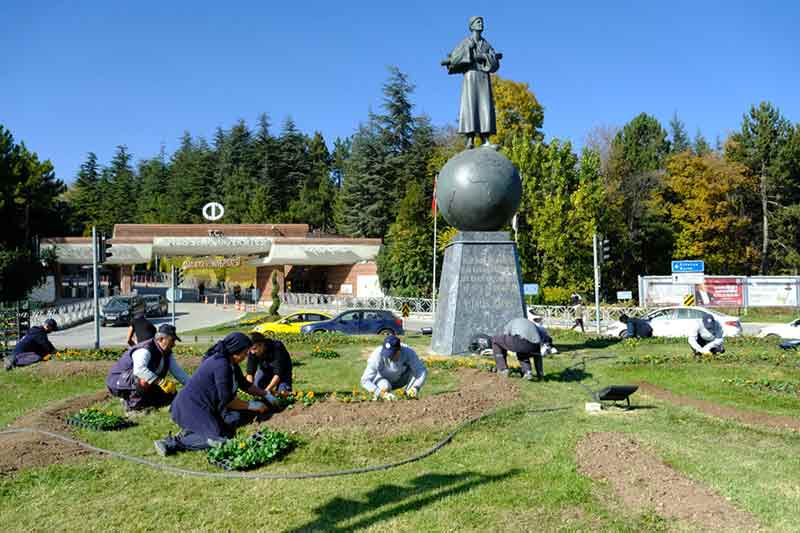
{"x":480,"y":289}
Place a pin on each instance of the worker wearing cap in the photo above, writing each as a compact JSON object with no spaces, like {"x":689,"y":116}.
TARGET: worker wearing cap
{"x":138,"y":377}
{"x":637,"y":328}
{"x":708,"y":338}
{"x":33,"y":347}
{"x":391,"y":366}
{"x":207,"y":409}
{"x":522,"y":337}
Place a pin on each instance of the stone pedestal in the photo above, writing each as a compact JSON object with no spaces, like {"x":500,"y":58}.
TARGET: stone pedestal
{"x":480,"y":289}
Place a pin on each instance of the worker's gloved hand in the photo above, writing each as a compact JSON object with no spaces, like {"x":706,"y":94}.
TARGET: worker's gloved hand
{"x":271,"y":399}
{"x":255,"y":405}
{"x":168,"y":386}
{"x":412,"y":392}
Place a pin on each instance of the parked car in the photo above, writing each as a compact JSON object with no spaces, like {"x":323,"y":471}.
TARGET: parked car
{"x":292,"y":323}
{"x":155,"y":305}
{"x":360,"y":322}
{"x":120,"y":310}
{"x":784,"y":331}
{"x":680,"y":322}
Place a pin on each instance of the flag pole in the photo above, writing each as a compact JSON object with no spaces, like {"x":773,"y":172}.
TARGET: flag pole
{"x":433,"y":296}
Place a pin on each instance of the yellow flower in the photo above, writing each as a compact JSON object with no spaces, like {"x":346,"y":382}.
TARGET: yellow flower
{"x":310,"y":394}
{"x":242,"y":445}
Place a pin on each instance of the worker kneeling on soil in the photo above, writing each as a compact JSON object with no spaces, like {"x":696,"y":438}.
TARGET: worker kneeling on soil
{"x":393,"y":366}
{"x":522,"y":337}
{"x":638,"y":328}
{"x":33,"y":347}
{"x":708,"y":338}
{"x":207,"y":409}
{"x":269,"y":365}
{"x":139,"y":376}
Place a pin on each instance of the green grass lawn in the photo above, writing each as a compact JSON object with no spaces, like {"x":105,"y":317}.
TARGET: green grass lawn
{"x":512,"y":471}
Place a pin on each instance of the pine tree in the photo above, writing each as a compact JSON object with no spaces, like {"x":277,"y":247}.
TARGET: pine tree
{"x":85,"y":197}
{"x":292,"y":168}
{"x":680,"y":139}
{"x":700,"y":146}
{"x":189,"y":185}
{"x":365,"y":202}
{"x":153,"y":196}
{"x":118,"y":189}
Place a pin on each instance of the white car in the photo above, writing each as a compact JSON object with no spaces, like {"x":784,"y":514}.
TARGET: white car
{"x":784,"y":331}
{"x":680,"y":322}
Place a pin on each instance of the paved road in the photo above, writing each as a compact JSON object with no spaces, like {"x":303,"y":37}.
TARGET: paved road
{"x":189,"y":316}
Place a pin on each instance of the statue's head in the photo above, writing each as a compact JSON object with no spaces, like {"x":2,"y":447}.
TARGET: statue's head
{"x":476,"y":23}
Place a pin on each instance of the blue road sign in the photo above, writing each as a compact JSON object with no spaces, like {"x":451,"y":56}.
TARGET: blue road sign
{"x":687,"y":267}
{"x":531,"y":289}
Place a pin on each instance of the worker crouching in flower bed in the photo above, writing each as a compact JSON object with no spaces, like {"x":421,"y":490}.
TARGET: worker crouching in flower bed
{"x":709,"y":337}
{"x":138,"y":377}
{"x":522,"y":337}
{"x":392,"y":366}
{"x":269,"y":365}
{"x":33,"y":347}
{"x":207,"y":409}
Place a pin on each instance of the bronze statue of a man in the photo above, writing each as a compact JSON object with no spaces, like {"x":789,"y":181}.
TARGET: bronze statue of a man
{"x":476,"y":59}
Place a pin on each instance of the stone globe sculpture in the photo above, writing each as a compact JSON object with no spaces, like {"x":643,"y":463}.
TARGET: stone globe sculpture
{"x":478,"y":190}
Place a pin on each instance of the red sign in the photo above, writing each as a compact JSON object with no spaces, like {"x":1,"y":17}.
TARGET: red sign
{"x":719,"y":292}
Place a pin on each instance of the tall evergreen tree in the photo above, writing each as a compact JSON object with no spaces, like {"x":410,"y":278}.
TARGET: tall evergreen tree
{"x":154,"y":201}
{"x":190,"y":182}
{"x":700,"y":146}
{"x":760,"y":146}
{"x":293,"y":168}
{"x":85,"y":197}
{"x":365,"y":203}
{"x":636,"y":171}
{"x":29,"y":193}
{"x":679,"y":137}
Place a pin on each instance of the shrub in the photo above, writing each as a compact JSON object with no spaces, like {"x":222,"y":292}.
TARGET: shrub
{"x":276,"y":301}
{"x":241,"y":453}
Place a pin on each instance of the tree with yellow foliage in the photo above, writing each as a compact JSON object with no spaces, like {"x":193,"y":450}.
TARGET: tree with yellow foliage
{"x":705,"y":199}
{"x":518,"y":112}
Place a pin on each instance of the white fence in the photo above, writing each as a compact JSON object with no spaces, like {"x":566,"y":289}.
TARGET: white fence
{"x":335,"y":302}
{"x":67,"y":315}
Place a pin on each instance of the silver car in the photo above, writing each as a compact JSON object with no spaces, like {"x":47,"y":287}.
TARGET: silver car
{"x":680,"y":321}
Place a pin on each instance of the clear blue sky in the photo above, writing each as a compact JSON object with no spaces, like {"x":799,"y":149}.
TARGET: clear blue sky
{"x":86,"y":76}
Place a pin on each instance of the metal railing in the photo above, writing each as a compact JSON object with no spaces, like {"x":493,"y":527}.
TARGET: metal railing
{"x":336,"y":302}
{"x":565,"y":315}
{"x":67,"y":315}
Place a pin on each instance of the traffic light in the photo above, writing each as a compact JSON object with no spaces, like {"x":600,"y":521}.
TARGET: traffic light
{"x":288,"y":285}
{"x":177,"y":276}
{"x":606,"y":250}
{"x":103,"y":248}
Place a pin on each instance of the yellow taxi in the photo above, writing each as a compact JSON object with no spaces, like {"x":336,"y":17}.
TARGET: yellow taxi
{"x":292,"y":323}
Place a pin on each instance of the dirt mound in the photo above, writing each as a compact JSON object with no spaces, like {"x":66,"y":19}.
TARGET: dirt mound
{"x":71,"y":368}
{"x":480,"y":391}
{"x":27,"y":450}
{"x":721,"y":411}
{"x":645,"y":483}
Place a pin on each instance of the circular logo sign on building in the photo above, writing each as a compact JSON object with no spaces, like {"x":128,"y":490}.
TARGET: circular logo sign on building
{"x":213,"y":211}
